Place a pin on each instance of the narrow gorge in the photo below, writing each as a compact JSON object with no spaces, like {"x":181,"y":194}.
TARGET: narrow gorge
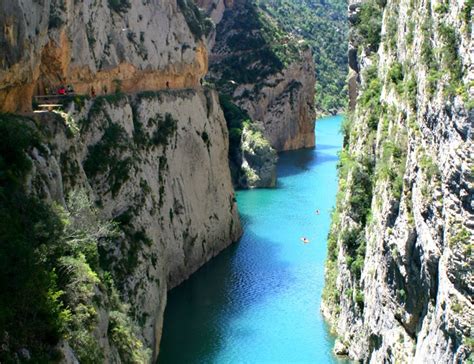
{"x":174,"y":187}
{"x":115,"y":191}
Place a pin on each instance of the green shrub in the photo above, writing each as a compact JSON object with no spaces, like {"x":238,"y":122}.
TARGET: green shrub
{"x":55,"y":16}
{"x":456,"y":307}
{"x":121,"y":331}
{"x":55,"y":21}
{"x":346,"y":128}
{"x":411,"y":33}
{"x":391,"y":166}
{"x":391,"y":30}
{"x":331,"y":294}
{"x":235,"y":118}
{"x":361,"y":192}
{"x":369,"y":98}
{"x":205,"y":139}
{"x":101,"y":156}
{"x":402,"y":295}
{"x":359,"y":299}
{"x":197,"y":22}
{"x":467,"y":14}
{"x":369,"y":24}
{"x":395,"y":73}
{"x":427,"y":53}
{"x":166,"y":129}
{"x":411,"y":90}
{"x":429,"y":167}
{"x":450,"y":51}
{"x":119,"y":6}
{"x":462,"y":236}
{"x":441,"y":8}
{"x":434,"y":76}
{"x":104,"y":157}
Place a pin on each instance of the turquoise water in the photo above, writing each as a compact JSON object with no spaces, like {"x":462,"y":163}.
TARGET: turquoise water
{"x":258,"y":301}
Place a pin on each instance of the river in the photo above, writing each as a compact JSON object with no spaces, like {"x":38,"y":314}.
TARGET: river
{"x":258,"y":301}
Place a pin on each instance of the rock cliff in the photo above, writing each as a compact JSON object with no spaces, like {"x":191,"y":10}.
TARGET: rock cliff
{"x":268,"y":74}
{"x":264,"y":71}
{"x":399,"y":274}
{"x":105,"y":45}
{"x":147,"y":161}
{"x":258,"y":158}
{"x":150,"y":151}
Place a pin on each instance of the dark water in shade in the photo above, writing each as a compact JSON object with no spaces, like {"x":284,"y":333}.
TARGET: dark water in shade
{"x":258,"y":301}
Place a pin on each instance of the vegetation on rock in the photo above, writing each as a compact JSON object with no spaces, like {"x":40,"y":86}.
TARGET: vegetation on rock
{"x":198,"y":23}
{"x":254,"y":49}
{"x":50,"y":253}
{"x":323,"y":25}
{"x":394,"y":182}
{"x":235,"y":118}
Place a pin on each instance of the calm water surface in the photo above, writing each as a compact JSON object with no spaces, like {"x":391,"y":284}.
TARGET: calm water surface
{"x":258,"y":301}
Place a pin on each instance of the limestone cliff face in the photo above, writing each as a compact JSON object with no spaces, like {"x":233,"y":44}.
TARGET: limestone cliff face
{"x":399,"y":275}
{"x":147,"y":46}
{"x":214,"y":8}
{"x":268,"y":75}
{"x":157,"y":164}
{"x":285,"y":104}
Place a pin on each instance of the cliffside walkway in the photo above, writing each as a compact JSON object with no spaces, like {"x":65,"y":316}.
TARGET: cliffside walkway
{"x":47,"y":103}
{"x":51,"y":102}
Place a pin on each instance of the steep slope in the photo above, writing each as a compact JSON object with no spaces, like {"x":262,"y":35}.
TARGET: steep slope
{"x":146,"y":161}
{"x":149,"y":169}
{"x":323,"y":24}
{"x":105,"y":45}
{"x":269,"y":75}
{"x":399,"y":275}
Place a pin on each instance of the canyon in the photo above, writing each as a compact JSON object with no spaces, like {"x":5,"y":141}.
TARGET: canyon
{"x":120,"y":191}
{"x":270,"y":76}
{"x":141,"y":146}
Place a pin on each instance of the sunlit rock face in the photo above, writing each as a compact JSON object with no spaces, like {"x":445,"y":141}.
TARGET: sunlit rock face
{"x":164,"y":178}
{"x":91,"y":45}
{"x":399,"y":277}
{"x":150,"y":149}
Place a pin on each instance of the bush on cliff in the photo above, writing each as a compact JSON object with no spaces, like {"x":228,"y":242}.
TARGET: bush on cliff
{"x":323,"y":25}
{"x":49,"y":255}
{"x":369,"y":23}
{"x":197,"y":22}
{"x":119,"y":6}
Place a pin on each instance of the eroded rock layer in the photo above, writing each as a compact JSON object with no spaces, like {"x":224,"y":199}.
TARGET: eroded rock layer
{"x":100,"y":45}
{"x":399,"y":275}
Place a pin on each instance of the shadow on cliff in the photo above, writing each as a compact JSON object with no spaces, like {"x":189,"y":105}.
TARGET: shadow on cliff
{"x":201,"y":314}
